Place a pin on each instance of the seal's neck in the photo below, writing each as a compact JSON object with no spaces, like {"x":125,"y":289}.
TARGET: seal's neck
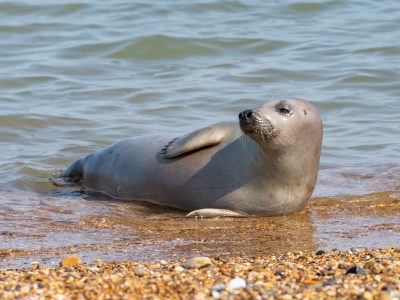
{"x":291,"y":166}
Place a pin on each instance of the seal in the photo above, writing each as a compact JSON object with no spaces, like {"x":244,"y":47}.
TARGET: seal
{"x":265,"y":164}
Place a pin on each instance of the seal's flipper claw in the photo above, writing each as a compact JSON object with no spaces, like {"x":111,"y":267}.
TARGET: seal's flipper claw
{"x":216,"y":212}
{"x":205,"y":137}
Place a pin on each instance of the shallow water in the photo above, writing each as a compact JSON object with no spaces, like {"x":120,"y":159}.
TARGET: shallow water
{"x":77,"y":76}
{"x":97,"y":228}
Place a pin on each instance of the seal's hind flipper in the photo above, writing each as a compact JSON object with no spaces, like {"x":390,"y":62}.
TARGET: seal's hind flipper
{"x":196,"y":140}
{"x":62,"y":181}
{"x":75,"y":171}
{"x":216,"y":212}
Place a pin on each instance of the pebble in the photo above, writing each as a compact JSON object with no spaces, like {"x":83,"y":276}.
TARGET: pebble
{"x":236,"y":283}
{"x":329,"y":282}
{"x":395,"y":295}
{"x":215,"y":294}
{"x":200,"y":296}
{"x":218,"y":287}
{"x":179,"y":269}
{"x":356,"y":270}
{"x":252,"y":277}
{"x":35,"y":265}
{"x":93,"y":269}
{"x":368,"y":296}
{"x":139,"y":271}
{"x":285,"y":297}
{"x":197,"y":262}
{"x":70,"y":261}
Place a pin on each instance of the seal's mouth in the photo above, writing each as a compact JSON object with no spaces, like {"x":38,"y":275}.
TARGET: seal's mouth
{"x":252,"y":123}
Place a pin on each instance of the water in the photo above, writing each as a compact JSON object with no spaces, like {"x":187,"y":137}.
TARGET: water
{"x":77,"y":76}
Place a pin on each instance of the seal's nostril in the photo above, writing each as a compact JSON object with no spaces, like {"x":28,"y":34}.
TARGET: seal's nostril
{"x":245,"y":115}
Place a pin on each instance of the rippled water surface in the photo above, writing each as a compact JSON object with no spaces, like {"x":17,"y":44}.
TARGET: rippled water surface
{"x":77,"y":76}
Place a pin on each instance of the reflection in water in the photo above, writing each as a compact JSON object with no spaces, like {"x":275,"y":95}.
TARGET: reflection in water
{"x":110,"y":230}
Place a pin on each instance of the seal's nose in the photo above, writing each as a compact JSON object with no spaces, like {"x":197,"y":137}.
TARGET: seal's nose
{"x":246,"y":115}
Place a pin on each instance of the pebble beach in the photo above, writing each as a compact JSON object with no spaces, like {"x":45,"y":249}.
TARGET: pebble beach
{"x":351,"y":274}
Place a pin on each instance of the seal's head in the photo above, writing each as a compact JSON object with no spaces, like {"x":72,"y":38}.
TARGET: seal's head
{"x":283,"y":126}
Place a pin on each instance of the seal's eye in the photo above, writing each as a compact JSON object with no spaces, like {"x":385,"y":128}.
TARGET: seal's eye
{"x":284,"y":110}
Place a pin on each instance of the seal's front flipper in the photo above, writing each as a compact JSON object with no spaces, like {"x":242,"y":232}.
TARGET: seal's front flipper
{"x":216,"y":212}
{"x":205,"y":137}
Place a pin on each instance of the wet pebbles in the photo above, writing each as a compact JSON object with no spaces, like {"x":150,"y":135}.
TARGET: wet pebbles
{"x":355,"y":274}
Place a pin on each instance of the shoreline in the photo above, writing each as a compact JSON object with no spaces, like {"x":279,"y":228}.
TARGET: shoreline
{"x":133,"y":232}
{"x":352,"y":274}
